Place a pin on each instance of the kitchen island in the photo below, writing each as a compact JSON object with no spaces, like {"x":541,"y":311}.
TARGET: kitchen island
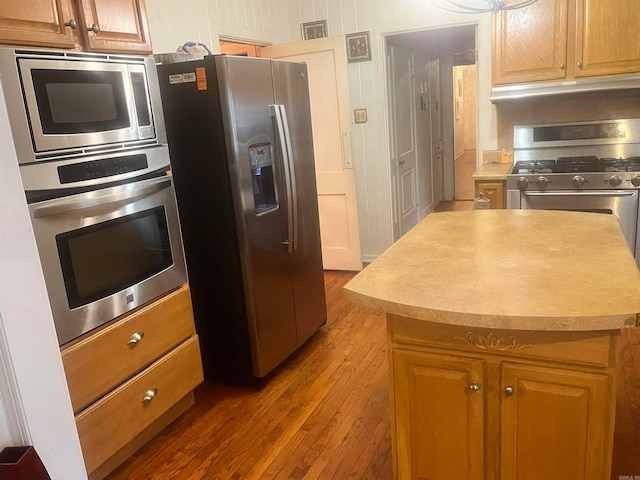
{"x":503,"y":328}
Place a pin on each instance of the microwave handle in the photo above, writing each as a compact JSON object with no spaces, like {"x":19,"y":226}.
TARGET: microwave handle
{"x":90,"y":199}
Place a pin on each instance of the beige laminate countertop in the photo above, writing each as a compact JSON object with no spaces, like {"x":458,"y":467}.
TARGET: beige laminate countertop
{"x":511,"y":269}
{"x":492,"y":171}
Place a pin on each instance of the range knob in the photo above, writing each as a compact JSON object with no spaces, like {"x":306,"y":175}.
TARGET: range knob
{"x":615,"y":180}
{"x":522,"y":183}
{"x":542,"y":182}
{"x":635,"y":181}
{"x":577,"y":181}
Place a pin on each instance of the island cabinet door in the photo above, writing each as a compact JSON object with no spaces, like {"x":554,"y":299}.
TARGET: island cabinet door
{"x":439,"y":404}
{"x":572,"y":405}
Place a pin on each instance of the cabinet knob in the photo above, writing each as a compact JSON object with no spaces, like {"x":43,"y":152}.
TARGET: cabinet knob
{"x":475,"y":386}
{"x":579,"y":64}
{"x":562,"y":66}
{"x":508,"y":390}
{"x":135,"y":338}
{"x":94,"y":28}
{"x":149,"y":395}
{"x":71,"y":24}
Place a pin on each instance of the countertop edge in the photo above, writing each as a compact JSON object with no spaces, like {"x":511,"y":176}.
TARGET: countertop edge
{"x":499,"y":322}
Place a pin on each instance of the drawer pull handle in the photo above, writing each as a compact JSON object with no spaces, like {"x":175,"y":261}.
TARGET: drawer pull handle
{"x":135,"y":338}
{"x":475,"y":386}
{"x":149,"y":395}
{"x":508,"y":391}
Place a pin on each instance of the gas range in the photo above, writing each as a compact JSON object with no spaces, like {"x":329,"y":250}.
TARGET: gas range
{"x":588,"y":172}
{"x":586,"y":155}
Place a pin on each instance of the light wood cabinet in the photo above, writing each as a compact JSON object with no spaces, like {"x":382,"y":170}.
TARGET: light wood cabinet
{"x":494,"y":191}
{"x":37,"y":22}
{"x":471,"y":404}
{"x":132,"y":378}
{"x":564,"y":40}
{"x":92,"y":25}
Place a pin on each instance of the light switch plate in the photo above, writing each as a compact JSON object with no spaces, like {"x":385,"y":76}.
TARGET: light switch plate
{"x":360,"y":115}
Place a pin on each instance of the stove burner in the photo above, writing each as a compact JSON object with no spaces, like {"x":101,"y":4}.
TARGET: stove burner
{"x":534,"y":167}
{"x":577,"y":164}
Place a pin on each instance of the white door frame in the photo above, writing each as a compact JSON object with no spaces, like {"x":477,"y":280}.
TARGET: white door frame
{"x":383,"y":73}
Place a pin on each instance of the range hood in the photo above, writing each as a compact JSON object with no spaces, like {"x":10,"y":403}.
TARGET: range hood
{"x":594,"y":84}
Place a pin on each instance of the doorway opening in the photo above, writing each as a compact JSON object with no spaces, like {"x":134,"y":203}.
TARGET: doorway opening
{"x":431,"y":120}
{"x":230,"y":47}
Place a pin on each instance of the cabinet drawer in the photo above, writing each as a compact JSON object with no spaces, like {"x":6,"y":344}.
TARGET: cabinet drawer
{"x":113,"y":421}
{"x":105,"y":359}
{"x":587,"y":348}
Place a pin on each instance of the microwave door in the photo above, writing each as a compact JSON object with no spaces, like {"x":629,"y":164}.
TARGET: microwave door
{"x":84,"y":104}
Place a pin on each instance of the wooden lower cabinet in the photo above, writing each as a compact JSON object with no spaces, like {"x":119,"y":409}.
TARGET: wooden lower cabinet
{"x":437,"y":416}
{"x":498,"y":407}
{"x":132,"y":378}
{"x":495,"y":192}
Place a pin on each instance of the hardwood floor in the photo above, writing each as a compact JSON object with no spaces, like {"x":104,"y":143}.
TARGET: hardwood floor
{"x":325,"y":413}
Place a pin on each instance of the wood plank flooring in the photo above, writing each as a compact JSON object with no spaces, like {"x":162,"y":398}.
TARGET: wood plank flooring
{"x":324,"y":414}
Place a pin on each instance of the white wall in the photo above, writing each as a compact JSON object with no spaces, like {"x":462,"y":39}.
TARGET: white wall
{"x":33,"y":390}
{"x":174,"y":22}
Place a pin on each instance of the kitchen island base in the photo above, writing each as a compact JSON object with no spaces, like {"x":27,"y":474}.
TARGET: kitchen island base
{"x":485,"y":404}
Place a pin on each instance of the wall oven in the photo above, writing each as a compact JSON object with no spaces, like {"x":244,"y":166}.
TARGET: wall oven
{"x":89,"y":136}
{"x":583,"y":166}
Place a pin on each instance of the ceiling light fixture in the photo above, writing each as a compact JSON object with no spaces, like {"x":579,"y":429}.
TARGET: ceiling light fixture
{"x":480,"y":6}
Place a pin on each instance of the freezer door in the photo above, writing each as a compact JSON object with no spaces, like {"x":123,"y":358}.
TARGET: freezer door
{"x":256,"y":173}
{"x":292,"y":92}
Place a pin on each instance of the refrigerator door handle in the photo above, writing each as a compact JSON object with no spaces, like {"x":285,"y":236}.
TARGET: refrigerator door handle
{"x":276,"y":112}
{"x":292,"y":174}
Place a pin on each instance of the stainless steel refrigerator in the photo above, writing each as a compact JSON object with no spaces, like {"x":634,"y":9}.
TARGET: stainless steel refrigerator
{"x":239,"y":134}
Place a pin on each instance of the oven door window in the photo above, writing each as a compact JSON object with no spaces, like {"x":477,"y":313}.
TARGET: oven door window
{"x":80,"y":101}
{"x":102,"y":259}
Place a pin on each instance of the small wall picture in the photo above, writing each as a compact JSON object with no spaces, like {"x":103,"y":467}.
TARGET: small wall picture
{"x":313,"y":30}
{"x":358,"y":47}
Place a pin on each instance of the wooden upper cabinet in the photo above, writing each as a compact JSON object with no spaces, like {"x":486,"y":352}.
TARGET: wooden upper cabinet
{"x":91,"y":25}
{"x":565,"y":39}
{"x":115,"y":26}
{"x":607,"y":40}
{"x":37,"y":22}
{"x":530,"y":44}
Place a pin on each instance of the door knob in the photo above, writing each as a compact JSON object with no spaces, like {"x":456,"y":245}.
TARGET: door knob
{"x":94,"y":28}
{"x":508,"y":390}
{"x":71,"y":24}
{"x":475,"y":386}
{"x":579,"y":64}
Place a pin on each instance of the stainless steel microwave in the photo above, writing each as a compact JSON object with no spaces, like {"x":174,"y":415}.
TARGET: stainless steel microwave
{"x":63,"y":104}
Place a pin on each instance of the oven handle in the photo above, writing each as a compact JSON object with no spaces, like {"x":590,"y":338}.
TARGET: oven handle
{"x":63,"y":205}
{"x":590,"y":193}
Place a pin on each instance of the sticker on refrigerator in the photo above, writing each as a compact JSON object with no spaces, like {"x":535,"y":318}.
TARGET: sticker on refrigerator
{"x":182,"y":78}
{"x":202,"y":78}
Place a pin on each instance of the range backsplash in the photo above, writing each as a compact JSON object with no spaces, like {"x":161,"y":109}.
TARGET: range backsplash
{"x":565,"y":108}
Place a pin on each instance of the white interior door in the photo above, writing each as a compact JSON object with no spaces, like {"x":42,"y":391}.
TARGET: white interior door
{"x":403,"y":136}
{"x":326,"y":60}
